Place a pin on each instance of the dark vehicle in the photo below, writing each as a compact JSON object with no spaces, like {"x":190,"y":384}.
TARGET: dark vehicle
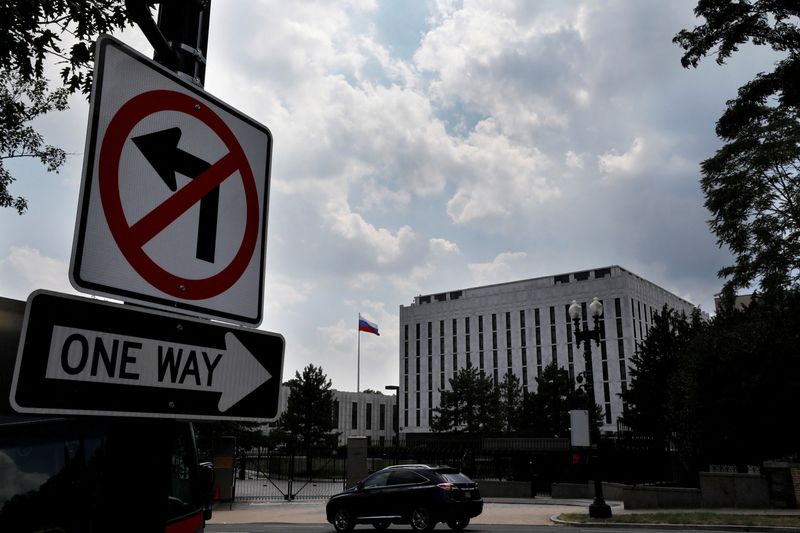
{"x":419,"y":495}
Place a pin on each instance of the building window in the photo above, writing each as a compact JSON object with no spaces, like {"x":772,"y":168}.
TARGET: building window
{"x":602,"y":272}
{"x":581,"y":276}
{"x":336,"y":413}
{"x":369,"y":416}
{"x":354,"y":416}
{"x":537,"y":332}
{"x":430,"y":338}
{"x":382,"y":417}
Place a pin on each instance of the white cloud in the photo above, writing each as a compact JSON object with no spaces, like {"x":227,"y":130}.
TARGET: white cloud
{"x":36,"y":270}
{"x":573,"y":160}
{"x":630,"y":163}
{"x":507,"y":266}
{"x":502,"y":179}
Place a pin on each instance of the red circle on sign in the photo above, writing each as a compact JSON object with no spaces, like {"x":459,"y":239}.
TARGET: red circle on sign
{"x":132,"y":238}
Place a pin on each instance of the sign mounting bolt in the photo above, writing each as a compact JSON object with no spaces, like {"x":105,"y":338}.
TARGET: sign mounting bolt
{"x":197,"y":107}
{"x":171,"y":405}
{"x":182,"y":288}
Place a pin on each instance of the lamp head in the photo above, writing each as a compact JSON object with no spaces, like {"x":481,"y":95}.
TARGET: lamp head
{"x":574,"y":310}
{"x":596,"y":308}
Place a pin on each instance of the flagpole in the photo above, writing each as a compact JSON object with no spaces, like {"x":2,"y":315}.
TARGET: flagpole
{"x":358,"y":371}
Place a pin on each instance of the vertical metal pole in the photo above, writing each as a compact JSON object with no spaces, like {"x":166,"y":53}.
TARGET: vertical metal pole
{"x":397,"y":426}
{"x":184,"y":25}
{"x":358,"y":364}
{"x":599,"y":508}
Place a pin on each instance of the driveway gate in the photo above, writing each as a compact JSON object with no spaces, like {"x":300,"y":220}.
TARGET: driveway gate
{"x":269,"y":475}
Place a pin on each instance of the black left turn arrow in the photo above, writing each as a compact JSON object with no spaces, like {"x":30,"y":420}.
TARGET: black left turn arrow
{"x":160,"y":148}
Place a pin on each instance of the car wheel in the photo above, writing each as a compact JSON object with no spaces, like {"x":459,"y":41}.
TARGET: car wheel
{"x":421,"y":520}
{"x":458,"y":525}
{"x":380,"y":526}
{"x":343,"y":520}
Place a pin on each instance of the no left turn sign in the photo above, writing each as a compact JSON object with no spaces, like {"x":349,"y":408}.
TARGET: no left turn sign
{"x":174,"y":198}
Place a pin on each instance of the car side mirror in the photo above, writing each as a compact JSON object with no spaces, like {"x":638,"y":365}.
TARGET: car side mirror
{"x":205,"y":476}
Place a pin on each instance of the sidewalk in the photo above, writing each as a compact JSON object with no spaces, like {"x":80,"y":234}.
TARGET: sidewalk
{"x":506,"y":511}
{"x":501,"y":511}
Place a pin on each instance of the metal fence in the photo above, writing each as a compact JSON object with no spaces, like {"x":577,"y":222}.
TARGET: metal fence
{"x":263,"y":474}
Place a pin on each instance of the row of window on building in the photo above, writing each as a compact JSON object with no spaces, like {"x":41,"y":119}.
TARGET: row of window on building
{"x":497,"y":368}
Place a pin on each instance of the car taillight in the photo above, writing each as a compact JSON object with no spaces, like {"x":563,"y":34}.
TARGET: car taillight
{"x":446,"y":486}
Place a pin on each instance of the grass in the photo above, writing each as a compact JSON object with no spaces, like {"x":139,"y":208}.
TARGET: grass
{"x":692,"y":518}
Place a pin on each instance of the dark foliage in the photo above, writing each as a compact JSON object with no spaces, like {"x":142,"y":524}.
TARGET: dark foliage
{"x":34,"y":33}
{"x":737,"y":383}
{"x":472,"y":405}
{"x":307,"y":422}
{"x":653,"y":368}
{"x":751,"y":185}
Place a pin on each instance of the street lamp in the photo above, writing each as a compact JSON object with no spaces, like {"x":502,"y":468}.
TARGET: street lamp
{"x":396,"y":417}
{"x":599,"y":508}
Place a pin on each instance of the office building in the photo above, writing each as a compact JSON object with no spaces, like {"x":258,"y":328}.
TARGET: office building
{"x":367,"y":414}
{"x":520,"y":327}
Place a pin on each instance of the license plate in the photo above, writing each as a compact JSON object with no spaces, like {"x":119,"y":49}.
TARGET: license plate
{"x":467,"y":494}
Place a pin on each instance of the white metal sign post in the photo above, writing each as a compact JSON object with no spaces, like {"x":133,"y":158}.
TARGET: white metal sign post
{"x":173,"y":206}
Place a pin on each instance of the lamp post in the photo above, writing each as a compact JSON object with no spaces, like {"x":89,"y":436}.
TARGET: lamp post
{"x":599,"y":508}
{"x":396,"y":417}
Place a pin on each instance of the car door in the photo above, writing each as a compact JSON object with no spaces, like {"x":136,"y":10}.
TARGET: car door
{"x":406,"y":490}
{"x":371,"y":499}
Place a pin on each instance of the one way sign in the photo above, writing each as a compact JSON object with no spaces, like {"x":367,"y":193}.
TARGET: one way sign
{"x":80,"y":356}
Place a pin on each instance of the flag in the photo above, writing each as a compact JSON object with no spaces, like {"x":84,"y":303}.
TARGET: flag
{"x":366,"y":325}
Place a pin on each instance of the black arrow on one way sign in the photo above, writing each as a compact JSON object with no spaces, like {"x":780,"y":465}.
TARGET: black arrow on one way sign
{"x":160,"y":148}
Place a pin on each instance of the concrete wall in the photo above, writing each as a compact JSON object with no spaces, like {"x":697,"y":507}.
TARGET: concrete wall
{"x":356,"y":466}
{"x":749,"y":491}
{"x":717,"y":490}
{"x":571,"y":491}
{"x":644,"y":497}
{"x":505,"y":489}
{"x":611,"y":491}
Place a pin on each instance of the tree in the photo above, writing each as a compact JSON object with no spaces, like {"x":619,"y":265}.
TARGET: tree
{"x":21,"y":102}
{"x":546,"y":411}
{"x":307,"y":422}
{"x":751,"y":184}
{"x":737,"y":382}
{"x":471,"y":405}
{"x":510,"y":402}
{"x":653,"y":369}
{"x":31,"y":35}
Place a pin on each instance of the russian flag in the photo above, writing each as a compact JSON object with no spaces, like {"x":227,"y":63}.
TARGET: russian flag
{"x":366,"y":325}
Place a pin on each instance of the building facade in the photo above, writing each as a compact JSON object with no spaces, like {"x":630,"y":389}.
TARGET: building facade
{"x":519,"y":328}
{"x":367,"y":414}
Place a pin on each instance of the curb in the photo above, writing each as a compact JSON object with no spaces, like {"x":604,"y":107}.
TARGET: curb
{"x":696,"y":527}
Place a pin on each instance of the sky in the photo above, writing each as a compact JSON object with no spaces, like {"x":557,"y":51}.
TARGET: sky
{"x":429,"y":146}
